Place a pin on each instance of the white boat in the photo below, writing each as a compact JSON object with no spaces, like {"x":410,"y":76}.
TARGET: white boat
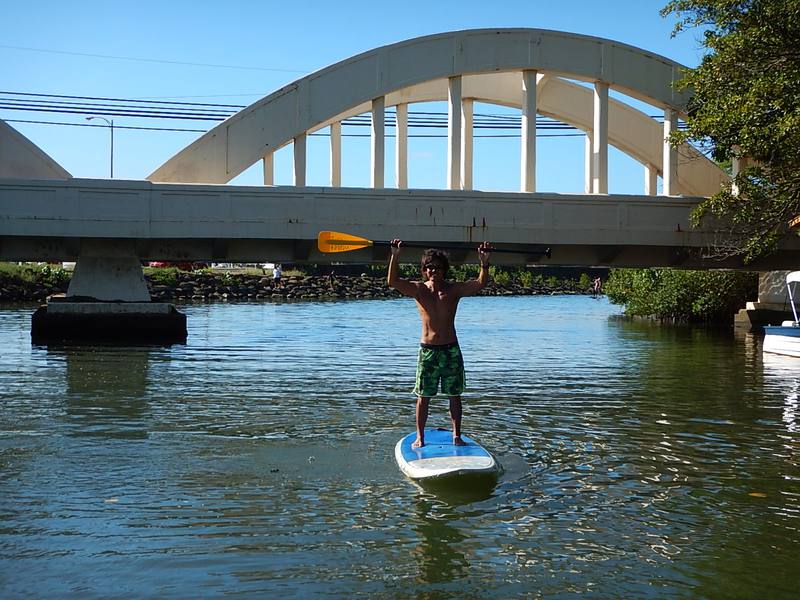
{"x":785,"y":338}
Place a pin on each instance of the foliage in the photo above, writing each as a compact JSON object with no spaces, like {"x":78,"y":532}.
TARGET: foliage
{"x":683,"y":296}
{"x":9,"y":271}
{"x":464,"y":272}
{"x":500,"y":276}
{"x":526,"y":278}
{"x":746,"y":104}
{"x":36,"y":273}
{"x":407,"y":271}
{"x":56,"y":277}
{"x":584,"y":282}
{"x":164,"y":276}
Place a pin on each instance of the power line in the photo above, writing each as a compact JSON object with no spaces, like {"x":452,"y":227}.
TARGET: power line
{"x":237,"y":106}
{"x":102,"y":126}
{"x":151,"y":60}
{"x":250,"y":95}
{"x":112,"y":112}
{"x":315,"y":134}
{"x":123,"y":107}
{"x":215,"y":112}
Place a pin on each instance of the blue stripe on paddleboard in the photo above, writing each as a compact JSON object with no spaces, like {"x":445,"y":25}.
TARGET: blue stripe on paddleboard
{"x":438,"y":444}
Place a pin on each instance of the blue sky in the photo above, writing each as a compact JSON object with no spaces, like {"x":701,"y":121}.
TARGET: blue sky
{"x":239,"y":51}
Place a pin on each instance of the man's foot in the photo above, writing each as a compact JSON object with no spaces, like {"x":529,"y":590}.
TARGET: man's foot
{"x":418,"y":443}
{"x":457,"y":441}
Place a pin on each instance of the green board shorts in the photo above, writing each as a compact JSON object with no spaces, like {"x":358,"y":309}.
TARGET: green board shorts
{"x":440,"y":364}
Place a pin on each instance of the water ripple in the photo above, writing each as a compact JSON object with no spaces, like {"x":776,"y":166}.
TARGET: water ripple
{"x":638,"y":461}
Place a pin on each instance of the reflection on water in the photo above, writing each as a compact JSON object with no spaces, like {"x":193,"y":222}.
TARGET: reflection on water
{"x":257,"y":459}
{"x":440,"y":550}
{"x":784,"y":372}
{"x":105,"y":391}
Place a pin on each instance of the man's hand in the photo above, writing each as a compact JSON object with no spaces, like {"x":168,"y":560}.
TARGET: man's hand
{"x":483,"y":253}
{"x":395,"y":247}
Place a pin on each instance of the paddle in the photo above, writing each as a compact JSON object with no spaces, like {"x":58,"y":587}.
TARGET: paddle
{"x":333,"y":241}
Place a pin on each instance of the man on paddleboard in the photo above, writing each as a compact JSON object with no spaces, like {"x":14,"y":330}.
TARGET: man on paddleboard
{"x":439,"y":356}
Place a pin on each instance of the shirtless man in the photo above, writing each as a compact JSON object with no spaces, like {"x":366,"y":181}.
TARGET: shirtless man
{"x":439,"y":355}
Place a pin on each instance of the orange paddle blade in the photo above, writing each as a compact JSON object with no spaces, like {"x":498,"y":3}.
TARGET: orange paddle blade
{"x":333,"y":241}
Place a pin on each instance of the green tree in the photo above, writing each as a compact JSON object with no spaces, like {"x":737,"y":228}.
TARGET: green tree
{"x":682,"y":296}
{"x":746,"y":105}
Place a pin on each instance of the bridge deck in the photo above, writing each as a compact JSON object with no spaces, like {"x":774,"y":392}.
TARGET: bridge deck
{"x":51,"y":220}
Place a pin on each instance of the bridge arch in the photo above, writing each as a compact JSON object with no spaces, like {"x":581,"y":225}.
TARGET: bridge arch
{"x":488,"y":65}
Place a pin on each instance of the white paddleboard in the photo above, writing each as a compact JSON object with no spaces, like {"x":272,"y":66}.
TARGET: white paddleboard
{"x":439,"y":457}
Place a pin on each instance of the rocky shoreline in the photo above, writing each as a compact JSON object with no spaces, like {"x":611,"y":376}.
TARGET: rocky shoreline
{"x":222,"y":287}
{"x":310,"y":287}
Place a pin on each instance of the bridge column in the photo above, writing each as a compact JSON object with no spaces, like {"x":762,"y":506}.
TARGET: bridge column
{"x":669,"y":168}
{"x":108,"y":272}
{"x":650,"y":180}
{"x":467,"y":106}
{"x":528,"y":145}
{"x":600,"y":139}
{"x":454,"y":129}
{"x":401,"y":146}
{"x":588,"y":176}
{"x":336,"y":154}
{"x":107,"y":300}
{"x":378,"y":138}
{"x":269,"y":168}
{"x":300,"y":160}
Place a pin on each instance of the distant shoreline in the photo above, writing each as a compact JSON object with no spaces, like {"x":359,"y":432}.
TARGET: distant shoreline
{"x":225,"y":286}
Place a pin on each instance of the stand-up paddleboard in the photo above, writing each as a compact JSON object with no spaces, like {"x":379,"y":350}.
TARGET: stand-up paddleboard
{"x":439,"y":457}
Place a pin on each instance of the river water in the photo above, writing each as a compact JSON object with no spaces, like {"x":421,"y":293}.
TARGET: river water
{"x":257,"y":459}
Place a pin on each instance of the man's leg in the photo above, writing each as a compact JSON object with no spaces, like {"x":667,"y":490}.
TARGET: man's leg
{"x":422,"y":418}
{"x":455,"y":417}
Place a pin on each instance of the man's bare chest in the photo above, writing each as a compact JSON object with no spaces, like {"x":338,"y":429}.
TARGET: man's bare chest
{"x":438,"y":301}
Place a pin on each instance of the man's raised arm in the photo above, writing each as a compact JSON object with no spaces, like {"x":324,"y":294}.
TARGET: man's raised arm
{"x":393,"y":280}
{"x":470,"y":288}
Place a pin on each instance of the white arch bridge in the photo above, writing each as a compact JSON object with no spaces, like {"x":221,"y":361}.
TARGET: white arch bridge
{"x":187,"y":210}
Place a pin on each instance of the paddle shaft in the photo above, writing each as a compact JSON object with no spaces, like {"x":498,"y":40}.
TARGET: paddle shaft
{"x":545,"y":252}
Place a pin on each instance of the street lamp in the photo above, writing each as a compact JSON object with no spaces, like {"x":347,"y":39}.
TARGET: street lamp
{"x":111,"y":126}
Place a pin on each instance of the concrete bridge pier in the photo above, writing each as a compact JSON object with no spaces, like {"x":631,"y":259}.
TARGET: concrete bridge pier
{"x":772,"y":306}
{"x":107,"y":301}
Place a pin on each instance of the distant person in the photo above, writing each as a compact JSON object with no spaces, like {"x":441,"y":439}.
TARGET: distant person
{"x":439,"y":358}
{"x":597,"y":287}
{"x":277,"y":272}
